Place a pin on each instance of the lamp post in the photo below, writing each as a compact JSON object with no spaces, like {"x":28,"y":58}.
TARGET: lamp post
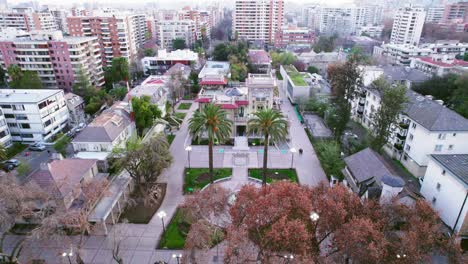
{"x":68,"y":255}
{"x":188,"y":149}
{"x":288,"y":258}
{"x":293,"y":150}
{"x":314,"y":216}
{"x":399,"y":256}
{"x":162,"y":215}
{"x":177,"y":257}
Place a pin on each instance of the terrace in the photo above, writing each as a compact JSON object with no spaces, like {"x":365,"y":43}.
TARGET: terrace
{"x":296,"y":77}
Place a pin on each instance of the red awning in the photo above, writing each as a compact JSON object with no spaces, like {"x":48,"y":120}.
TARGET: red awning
{"x":203,"y":100}
{"x":242,"y":102}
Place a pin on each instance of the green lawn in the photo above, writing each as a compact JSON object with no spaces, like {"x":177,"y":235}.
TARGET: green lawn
{"x":184,"y":106}
{"x":274,"y":175}
{"x":197,"y":178}
{"x":180,"y":115}
{"x":176,"y":232}
{"x":170,"y":138}
{"x":15,"y":149}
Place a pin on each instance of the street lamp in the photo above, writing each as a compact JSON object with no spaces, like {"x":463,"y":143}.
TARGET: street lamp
{"x":293,"y":150}
{"x":162,"y":215}
{"x":401,"y":256}
{"x":68,"y":255}
{"x":288,"y":258}
{"x":188,"y":149}
{"x":178,"y":257}
{"x":314,"y":217}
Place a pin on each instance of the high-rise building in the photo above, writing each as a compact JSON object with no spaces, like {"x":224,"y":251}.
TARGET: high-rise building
{"x":119,"y":35}
{"x":60,"y":17}
{"x":27,"y":19}
{"x":168,"y":30}
{"x":407,"y":25}
{"x":56,"y":59}
{"x":435,"y":14}
{"x":456,"y":13}
{"x":257,"y":20}
{"x":341,"y":20}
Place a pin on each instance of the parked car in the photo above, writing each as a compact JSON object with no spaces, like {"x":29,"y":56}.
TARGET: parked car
{"x":37,"y":147}
{"x":10,"y":165}
{"x":80,"y":127}
{"x":72,"y":132}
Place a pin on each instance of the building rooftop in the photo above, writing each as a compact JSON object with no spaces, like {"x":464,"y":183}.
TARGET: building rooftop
{"x":447,"y":64}
{"x":176,"y":55}
{"x":296,"y":77}
{"x":106,"y":127}
{"x":27,"y":95}
{"x":432,"y":115}
{"x":60,"y":177}
{"x":259,"y":57}
{"x":178,"y":67}
{"x":399,"y":73}
{"x":457,"y":164}
{"x":73,"y":100}
{"x":215,"y":68}
{"x":367,"y":164}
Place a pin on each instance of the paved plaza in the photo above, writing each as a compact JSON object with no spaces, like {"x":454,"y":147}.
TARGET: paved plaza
{"x":139,"y":240}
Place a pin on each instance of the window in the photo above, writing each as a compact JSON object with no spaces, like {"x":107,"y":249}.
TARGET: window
{"x":414,"y":125}
{"x":405,"y":157}
{"x":25,"y":125}
{"x":438,"y":186}
{"x":411,"y":136}
{"x":5,"y":106}
{"x":9,"y":116}
{"x":27,"y":135}
{"x":434,"y":200}
{"x":18,"y":107}
{"x":441,"y":136}
{"x":454,"y":134}
{"x":450,"y":147}
{"x":438,"y":148}
{"x":408,"y":148}
{"x":443,"y":172}
{"x":21,"y":117}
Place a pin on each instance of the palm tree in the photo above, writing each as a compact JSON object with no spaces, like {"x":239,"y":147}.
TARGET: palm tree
{"x":272,"y":124}
{"x":212,"y":121}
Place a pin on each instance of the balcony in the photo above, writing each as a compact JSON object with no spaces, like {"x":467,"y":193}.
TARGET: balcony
{"x":399,"y":147}
{"x":360,"y":111}
{"x":241,"y":119}
{"x":401,"y":136}
{"x":403,"y":125}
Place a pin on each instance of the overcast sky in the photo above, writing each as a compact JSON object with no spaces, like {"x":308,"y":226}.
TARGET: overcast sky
{"x":162,"y":2}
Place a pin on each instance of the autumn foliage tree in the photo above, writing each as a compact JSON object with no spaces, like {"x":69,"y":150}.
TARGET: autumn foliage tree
{"x":276,"y":220}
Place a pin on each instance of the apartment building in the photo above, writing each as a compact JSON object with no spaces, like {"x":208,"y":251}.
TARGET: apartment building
{"x":60,"y":17}
{"x":455,"y":13}
{"x":5,"y":136}
{"x":34,"y":115}
{"x":400,"y":54}
{"x":341,"y":20}
{"x":257,"y":20}
{"x":201,"y":19}
{"x":294,"y":37}
{"x":425,"y":127}
{"x":435,"y":14}
{"x":439,"y":65}
{"x":452,"y":47}
{"x":119,"y":34}
{"x":22,"y":21}
{"x":75,"y":106}
{"x":168,"y":30}
{"x":56,"y":59}
{"x":407,"y":25}
{"x":164,"y":60}
{"x":370,"y":30}
{"x":241,"y":102}
{"x":445,"y":186}
{"x":44,"y":20}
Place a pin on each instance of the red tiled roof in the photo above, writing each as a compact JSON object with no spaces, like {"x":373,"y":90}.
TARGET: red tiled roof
{"x":213,"y":82}
{"x":228,"y":106}
{"x":242,"y":102}
{"x":158,"y":81}
{"x":203,"y":100}
{"x":444,"y":64}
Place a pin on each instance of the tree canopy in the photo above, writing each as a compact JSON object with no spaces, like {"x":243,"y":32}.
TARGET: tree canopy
{"x":325,"y":44}
{"x":23,"y":79}
{"x":178,"y":43}
{"x":145,"y":113}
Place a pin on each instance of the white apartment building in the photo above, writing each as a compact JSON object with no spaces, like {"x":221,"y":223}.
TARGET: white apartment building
{"x":257,"y":20}
{"x":20,"y":21}
{"x":60,"y":17}
{"x":451,"y":47}
{"x":425,"y":127}
{"x":341,"y":20}
{"x":370,"y":30}
{"x":407,"y":25}
{"x":439,"y":65}
{"x":56,"y":59}
{"x":435,"y":14}
{"x":164,"y":60}
{"x":44,"y":20}
{"x":400,"y":54}
{"x":445,"y":186}
{"x":34,"y":115}
{"x":168,"y":30}
{"x":5,"y":136}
